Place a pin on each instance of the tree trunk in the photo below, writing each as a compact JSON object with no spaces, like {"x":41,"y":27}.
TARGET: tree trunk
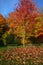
{"x":23,"y":36}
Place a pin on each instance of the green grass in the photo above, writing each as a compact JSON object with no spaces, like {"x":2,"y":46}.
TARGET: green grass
{"x":6,"y":47}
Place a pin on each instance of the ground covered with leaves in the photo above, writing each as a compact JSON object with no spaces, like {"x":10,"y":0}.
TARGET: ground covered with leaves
{"x":22,"y":56}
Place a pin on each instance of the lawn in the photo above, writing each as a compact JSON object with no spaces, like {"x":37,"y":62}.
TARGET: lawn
{"x":18,"y":55}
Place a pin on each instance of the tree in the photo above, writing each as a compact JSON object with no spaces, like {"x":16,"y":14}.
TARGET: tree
{"x":38,"y":30}
{"x":39,"y":25}
{"x":3,"y":25}
{"x":3,"y":28}
{"x":22,"y":21}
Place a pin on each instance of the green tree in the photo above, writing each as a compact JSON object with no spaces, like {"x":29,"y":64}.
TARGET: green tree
{"x":12,"y":39}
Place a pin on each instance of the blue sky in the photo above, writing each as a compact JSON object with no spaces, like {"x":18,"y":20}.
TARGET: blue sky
{"x":7,"y":6}
{"x":40,"y":3}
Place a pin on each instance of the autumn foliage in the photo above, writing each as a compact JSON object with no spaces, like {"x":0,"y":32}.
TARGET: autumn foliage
{"x":25,"y":21}
{"x":22,"y":56}
{"x":23,"y":31}
{"x":22,"y":20}
{"x":24,"y":15}
{"x":3,"y":25}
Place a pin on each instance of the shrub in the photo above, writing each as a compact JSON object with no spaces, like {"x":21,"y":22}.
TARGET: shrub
{"x":12,"y":39}
{"x":1,"y":42}
{"x":32,"y":39}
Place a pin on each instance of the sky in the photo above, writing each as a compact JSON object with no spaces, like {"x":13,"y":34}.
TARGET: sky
{"x":7,"y":6}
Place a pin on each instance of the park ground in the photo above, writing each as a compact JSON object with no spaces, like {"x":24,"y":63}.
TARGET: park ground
{"x":19,"y":55}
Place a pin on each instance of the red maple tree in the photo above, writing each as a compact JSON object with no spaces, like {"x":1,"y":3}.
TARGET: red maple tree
{"x":23,"y":17}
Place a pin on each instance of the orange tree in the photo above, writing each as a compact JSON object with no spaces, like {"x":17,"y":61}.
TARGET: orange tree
{"x":39,"y":25}
{"x":38,"y":30}
{"x":22,"y":21}
{"x":3,"y":28}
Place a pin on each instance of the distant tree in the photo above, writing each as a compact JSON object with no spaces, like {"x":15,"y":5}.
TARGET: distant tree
{"x":3,"y":25}
{"x":3,"y":28}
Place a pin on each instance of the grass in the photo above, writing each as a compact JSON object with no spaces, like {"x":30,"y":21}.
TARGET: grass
{"x":9,"y":53}
{"x":29,"y":45}
{"x":18,"y":55}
